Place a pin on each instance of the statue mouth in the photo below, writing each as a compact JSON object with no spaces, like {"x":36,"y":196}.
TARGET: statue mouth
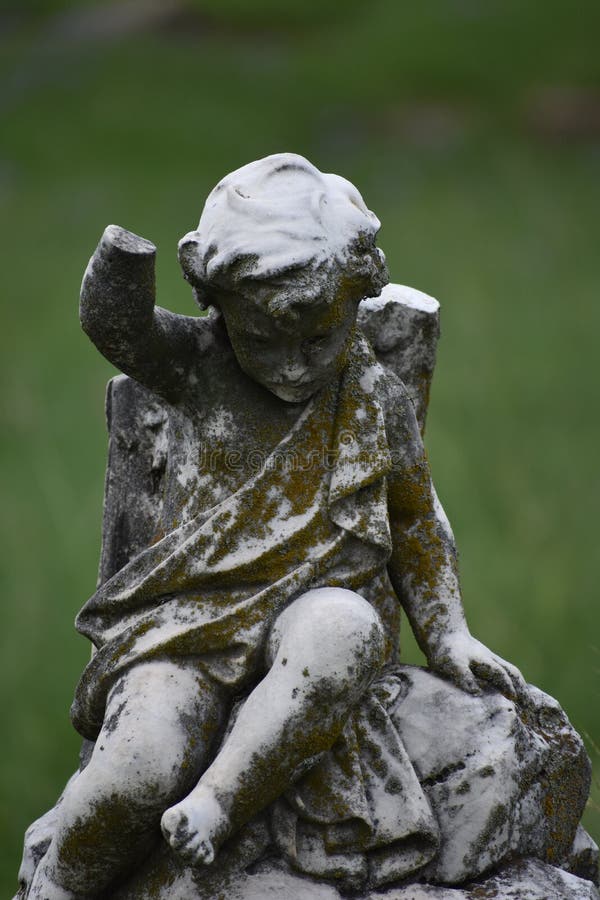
{"x":294,"y":382}
{"x":294,"y":391}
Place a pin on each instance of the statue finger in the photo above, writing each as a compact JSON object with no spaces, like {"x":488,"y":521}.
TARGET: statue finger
{"x":518,"y":682}
{"x":461,"y":677}
{"x":494,"y":675}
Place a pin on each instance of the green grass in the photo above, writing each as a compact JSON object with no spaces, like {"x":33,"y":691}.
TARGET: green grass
{"x":426,"y":110}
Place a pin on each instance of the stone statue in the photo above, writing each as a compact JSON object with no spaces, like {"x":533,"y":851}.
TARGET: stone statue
{"x":269,"y":510}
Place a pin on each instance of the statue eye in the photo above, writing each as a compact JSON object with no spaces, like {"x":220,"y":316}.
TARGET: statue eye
{"x":315,"y":344}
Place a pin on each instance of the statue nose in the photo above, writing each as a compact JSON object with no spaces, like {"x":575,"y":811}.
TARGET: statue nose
{"x":294,"y":370}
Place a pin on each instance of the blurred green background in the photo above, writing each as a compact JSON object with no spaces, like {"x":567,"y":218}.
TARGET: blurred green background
{"x":473,"y":131}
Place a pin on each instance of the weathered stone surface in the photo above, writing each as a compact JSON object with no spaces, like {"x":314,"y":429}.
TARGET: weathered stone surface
{"x":523,"y":880}
{"x":583,"y":857}
{"x":478,"y":781}
{"x":268,"y":509}
{"x":490,"y":780}
{"x":137,"y":457}
{"x":403,"y":327}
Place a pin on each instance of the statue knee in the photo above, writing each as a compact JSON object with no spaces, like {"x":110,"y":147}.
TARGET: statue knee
{"x":346,"y":629}
{"x":337,"y":633}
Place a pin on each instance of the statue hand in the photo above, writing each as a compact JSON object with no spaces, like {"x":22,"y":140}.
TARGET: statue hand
{"x":466,"y":661}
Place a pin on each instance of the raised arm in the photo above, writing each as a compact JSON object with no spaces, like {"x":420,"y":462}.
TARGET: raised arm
{"x":423,"y":567}
{"x":117,"y":312}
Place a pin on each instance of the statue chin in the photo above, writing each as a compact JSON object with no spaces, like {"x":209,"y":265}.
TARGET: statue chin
{"x":293,"y":393}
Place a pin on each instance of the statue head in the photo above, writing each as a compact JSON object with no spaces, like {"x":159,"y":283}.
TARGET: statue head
{"x":286,"y":253}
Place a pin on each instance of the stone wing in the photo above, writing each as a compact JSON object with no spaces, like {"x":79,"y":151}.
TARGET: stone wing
{"x":403,"y":327}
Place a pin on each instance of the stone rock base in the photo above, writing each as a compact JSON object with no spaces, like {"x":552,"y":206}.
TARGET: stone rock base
{"x":507,"y":782}
{"x":524,"y":880}
{"x":521,"y":880}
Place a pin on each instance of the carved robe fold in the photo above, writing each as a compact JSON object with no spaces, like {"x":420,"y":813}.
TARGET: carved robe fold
{"x":314,"y":514}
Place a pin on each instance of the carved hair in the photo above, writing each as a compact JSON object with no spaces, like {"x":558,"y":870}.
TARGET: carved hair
{"x":280,"y":214}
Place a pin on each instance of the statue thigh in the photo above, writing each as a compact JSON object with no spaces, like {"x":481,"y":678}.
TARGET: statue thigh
{"x":161,"y":719}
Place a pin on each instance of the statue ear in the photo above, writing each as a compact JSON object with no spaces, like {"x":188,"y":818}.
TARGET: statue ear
{"x":190,"y":255}
{"x":189,"y":252}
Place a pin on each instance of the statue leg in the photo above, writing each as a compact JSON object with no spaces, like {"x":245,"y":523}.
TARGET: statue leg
{"x":161,"y":719}
{"x":324,"y":650}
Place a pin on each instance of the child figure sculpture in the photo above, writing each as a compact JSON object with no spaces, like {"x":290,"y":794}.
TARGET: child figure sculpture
{"x":284,"y":552}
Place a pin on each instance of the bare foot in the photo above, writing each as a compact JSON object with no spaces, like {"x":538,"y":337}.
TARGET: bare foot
{"x":195,"y":827}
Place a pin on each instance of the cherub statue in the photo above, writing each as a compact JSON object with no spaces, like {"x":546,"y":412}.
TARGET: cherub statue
{"x":298,"y":517}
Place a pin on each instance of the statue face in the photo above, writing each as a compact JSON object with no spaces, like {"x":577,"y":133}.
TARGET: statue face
{"x":292,"y":348}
